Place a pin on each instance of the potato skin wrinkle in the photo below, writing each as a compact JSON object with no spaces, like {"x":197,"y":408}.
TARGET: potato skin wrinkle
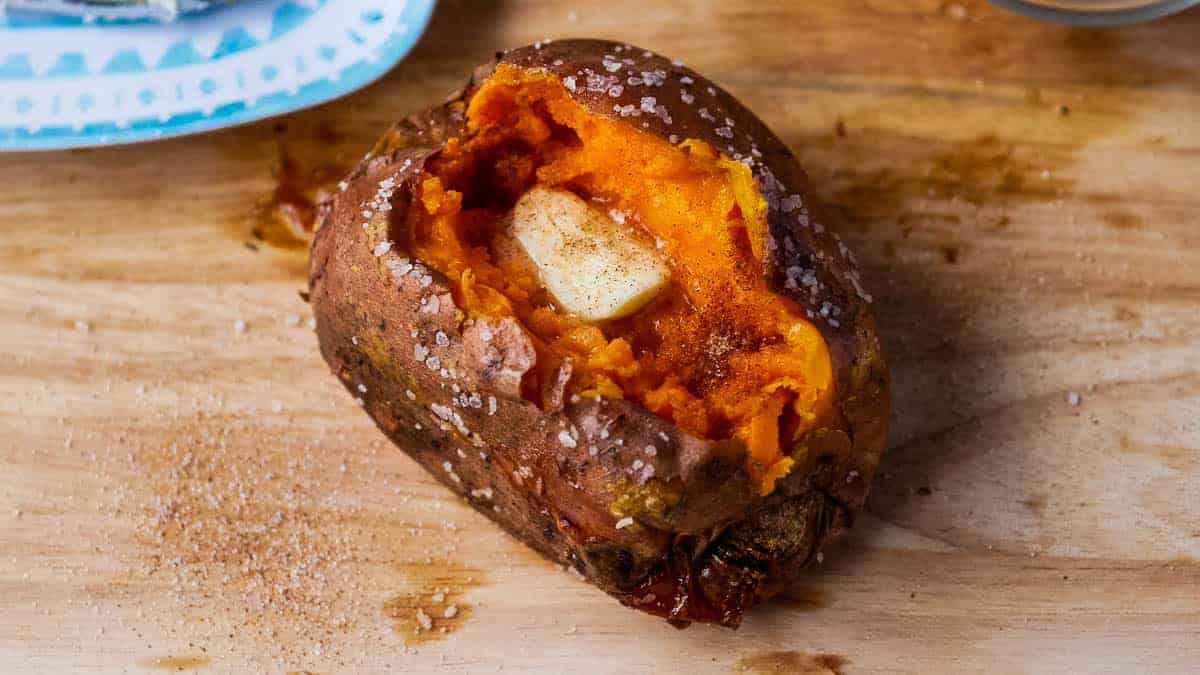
{"x":688,"y":443}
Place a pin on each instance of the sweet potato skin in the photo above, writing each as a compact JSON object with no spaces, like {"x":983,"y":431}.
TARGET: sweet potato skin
{"x":702,"y":544}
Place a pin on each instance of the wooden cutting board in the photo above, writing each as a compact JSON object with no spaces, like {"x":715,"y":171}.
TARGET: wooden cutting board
{"x":185,"y":487}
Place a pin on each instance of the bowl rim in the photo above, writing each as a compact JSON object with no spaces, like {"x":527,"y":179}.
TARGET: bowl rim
{"x":1112,"y":17}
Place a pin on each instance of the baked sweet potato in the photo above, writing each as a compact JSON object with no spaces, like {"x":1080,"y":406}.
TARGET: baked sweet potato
{"x":687,"y":452}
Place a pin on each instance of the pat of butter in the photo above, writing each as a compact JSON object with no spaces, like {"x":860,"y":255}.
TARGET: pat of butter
{"x":594,"y":267}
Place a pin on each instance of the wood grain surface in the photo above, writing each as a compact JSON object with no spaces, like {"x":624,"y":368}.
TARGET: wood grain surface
{"x":184,"y":487}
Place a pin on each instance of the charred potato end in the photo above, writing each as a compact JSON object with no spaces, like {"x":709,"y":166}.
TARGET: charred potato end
{"x":593,"y":294}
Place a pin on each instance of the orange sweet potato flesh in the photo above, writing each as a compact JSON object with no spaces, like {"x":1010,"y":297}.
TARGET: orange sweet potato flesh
{"x":718,"y":353}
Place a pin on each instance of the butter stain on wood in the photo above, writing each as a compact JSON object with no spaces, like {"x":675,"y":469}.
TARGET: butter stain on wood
{"x":1122,"y":313}
{"x":1177,"y":457}
{"x":805,"y":598}
{"x":790,"y":663}
{"x":436,"y":602}
{"x":1123,"y":220}
{"x":1036,"y":504}
{"x":181,"y":663}
{"x":310,"y":160}
{"x":285,"y":218}
{"x":419,"y":618}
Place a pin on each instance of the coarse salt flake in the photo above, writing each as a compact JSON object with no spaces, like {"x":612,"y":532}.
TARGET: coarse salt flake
{"x":654,"y":78}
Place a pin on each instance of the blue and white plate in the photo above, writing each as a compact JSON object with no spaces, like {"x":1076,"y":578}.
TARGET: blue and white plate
{"x":67,"y":82}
